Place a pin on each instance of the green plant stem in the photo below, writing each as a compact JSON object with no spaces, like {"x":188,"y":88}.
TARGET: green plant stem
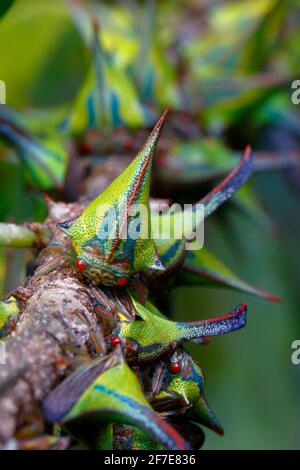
{"x":17,"y":236}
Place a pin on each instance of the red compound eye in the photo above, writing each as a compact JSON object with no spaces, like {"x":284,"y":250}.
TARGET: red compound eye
{"x":80,"y":265}
{"x":175,"y":367}
{"x":122,"y":281}
{"x":115,"y":341}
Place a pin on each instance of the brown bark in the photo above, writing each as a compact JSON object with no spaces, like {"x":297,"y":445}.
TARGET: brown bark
{"x":57,"y":310}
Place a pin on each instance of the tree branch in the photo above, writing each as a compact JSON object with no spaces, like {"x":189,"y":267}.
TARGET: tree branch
{"x":57,"y":310}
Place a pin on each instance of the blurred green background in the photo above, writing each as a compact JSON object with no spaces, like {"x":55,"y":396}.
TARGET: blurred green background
{"x":230,"y":65}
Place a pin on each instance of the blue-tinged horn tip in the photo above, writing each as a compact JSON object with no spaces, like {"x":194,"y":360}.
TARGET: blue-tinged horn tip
{"x":65,"y":226}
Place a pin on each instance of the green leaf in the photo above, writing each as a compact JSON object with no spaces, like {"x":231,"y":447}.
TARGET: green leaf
{"x":5,"y":5}
{"x":45,"y":160}
{"x":203,"y":268}
{"x":264,"y":38}
{"x":107,"y":98}
{"x":45,"y":71}
{"x":195,"y":161}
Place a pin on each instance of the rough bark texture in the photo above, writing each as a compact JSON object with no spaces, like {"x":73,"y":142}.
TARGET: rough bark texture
{"x":57,"y":318}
